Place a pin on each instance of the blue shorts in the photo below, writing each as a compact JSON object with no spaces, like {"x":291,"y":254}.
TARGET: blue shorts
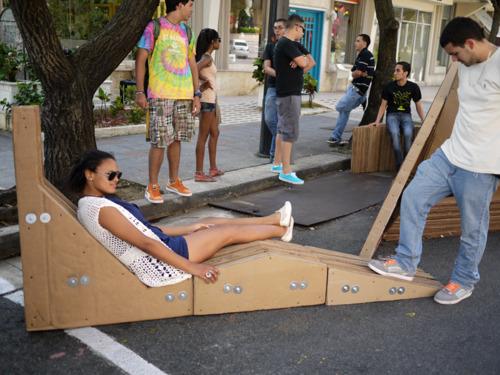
{"x":178,"y":245}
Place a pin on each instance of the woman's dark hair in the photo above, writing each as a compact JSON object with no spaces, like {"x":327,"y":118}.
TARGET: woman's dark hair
{"x":89,"y":160}
{"x":206,"y":37}
{"x":458,"y":30}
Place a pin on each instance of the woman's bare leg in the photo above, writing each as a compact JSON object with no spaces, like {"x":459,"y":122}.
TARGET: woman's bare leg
{"x":273,"y":219}
{"x":205,"y":243}
{"x":212,"y":141}
{"x":203,"y":132}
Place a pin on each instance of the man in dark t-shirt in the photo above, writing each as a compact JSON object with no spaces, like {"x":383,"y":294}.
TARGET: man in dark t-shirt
{"x":396,"y":98}
{"x":290,"y":62}
{"x":362,"y":74}
{"x":270,"y":108}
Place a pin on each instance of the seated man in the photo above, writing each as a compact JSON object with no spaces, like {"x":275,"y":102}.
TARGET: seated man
{"x":160,"y":255}
{"x":396,"y":98}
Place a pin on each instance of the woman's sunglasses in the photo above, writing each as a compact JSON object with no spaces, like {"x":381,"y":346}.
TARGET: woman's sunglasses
{"x":112,"y":175}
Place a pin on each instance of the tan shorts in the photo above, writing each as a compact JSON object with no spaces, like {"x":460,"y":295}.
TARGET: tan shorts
{"x":170,"y":120}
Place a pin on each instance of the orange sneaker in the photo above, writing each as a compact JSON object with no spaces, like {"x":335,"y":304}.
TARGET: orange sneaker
{"x":178,"y":187}
{"x":153,"y":194}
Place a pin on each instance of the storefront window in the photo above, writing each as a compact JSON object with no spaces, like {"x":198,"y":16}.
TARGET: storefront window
{"x":442,"y":56}
{"x":341,"y":38}
{"x":246,"y":20}
{"x":413,"y":39}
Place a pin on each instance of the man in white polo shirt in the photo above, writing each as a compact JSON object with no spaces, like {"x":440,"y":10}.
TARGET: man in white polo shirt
{"x":467,"y":165}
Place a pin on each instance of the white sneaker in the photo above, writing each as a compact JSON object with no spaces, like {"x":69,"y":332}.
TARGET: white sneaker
{"x":287,"y":237}
{"x":286,"y":214}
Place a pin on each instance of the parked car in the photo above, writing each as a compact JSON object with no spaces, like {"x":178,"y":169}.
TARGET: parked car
{"x":239,"y":48}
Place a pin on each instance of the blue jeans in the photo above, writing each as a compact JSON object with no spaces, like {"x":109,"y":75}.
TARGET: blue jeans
{"x":349,"y":101}
{"x":271,"y":117}
{"x":436,"y":178}
{"x":395,"y":121}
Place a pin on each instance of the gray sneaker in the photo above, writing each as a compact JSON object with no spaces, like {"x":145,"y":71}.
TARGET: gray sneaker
{"x":452,"y":293}
{"x":390,"y":268}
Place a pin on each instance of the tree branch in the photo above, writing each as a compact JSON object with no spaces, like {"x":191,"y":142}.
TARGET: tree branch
{"x":99,"y":57}
{"x":42,"y":43}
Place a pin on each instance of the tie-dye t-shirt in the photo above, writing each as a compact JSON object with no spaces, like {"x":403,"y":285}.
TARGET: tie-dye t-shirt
{"x":169,"y":71}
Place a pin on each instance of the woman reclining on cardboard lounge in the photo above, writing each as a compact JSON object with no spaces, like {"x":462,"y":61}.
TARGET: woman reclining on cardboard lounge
{"x":160,"y":255}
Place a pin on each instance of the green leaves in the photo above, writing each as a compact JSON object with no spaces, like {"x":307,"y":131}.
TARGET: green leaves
{"x":258,"y":72}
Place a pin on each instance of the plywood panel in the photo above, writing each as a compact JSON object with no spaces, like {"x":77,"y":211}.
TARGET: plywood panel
{"x":346,"y":286}
{"x":70,"y":280}
{"x":433,"y":120}
{"x":265,"y":282}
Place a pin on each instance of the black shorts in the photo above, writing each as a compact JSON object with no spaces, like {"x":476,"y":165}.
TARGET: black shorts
{"x":207,"y":107}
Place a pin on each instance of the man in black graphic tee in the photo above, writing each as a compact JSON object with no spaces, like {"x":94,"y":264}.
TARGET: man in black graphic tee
{"x":396,"y":98}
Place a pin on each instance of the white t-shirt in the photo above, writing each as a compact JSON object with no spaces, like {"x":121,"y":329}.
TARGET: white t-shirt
{"x":474,"y":144}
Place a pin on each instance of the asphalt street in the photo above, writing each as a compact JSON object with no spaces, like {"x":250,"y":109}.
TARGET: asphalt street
{"x":404,"y":337}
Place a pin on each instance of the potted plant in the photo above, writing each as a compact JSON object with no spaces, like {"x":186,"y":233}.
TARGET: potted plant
{"x":310,"y":87}
{"x":28,"y":93}
{"x":9,"y":66}
{"x":259,"y":76}
{"x":9,"y":63}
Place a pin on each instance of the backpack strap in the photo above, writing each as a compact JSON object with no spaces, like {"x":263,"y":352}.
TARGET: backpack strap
{"x":189,"y":32}
{"x":156,"y":28}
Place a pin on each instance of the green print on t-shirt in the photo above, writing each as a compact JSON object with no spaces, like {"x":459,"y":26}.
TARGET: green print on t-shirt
{"x":401,"y":100}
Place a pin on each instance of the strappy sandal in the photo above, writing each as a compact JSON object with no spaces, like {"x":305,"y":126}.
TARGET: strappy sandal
{"x":202,"y":177}
{"x":214,"y":172}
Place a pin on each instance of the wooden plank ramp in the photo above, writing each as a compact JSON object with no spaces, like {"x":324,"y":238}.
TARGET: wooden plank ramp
{"x":437,"y":126}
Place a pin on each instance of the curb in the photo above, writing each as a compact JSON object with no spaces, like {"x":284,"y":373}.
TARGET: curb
{"x":237,"y":183}
{"x":114,"y":131}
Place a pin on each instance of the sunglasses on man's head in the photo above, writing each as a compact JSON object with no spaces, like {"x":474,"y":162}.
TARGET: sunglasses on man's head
{"x":111,"y":175}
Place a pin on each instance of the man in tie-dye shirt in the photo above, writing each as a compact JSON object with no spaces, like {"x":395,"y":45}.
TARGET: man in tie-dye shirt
{"x":172,"y":97}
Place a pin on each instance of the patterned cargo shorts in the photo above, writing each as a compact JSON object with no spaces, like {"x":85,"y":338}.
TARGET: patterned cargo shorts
{"x":170,"y":120}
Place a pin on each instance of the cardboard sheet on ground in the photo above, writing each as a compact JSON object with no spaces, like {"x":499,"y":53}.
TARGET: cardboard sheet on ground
{"x":318,"y":200}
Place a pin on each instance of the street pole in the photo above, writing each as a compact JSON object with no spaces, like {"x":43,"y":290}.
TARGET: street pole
{"x":277,"y":9}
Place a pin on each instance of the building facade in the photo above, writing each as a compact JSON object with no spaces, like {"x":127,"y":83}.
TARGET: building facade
{"x":331,"y":28}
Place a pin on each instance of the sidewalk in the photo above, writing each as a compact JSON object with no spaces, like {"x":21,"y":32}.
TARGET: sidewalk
{"x":238,"y":143}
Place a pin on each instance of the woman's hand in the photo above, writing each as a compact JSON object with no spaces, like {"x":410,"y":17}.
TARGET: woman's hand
{"x":207,"y":273}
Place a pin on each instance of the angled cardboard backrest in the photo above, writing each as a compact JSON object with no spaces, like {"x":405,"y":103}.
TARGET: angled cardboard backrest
{"x":70,"y":279}
{"x":437,"y":126}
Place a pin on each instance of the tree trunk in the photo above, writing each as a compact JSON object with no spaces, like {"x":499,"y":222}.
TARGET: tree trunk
{"x":496,"y":23}
{"x":69,"y":82}
{"x":388,"y":29}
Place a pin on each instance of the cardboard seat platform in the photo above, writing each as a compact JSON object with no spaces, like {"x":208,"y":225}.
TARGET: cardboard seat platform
{"x":71,"y":280}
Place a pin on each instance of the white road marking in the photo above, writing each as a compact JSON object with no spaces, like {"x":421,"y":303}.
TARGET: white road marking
{"x":16,"y":297}
{"x":6,"y":286}
{"x":113,"y":351}
{"x":104,"y":346}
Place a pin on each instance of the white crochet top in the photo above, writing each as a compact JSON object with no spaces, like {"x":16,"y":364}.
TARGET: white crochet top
{"x":149,"y":270}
